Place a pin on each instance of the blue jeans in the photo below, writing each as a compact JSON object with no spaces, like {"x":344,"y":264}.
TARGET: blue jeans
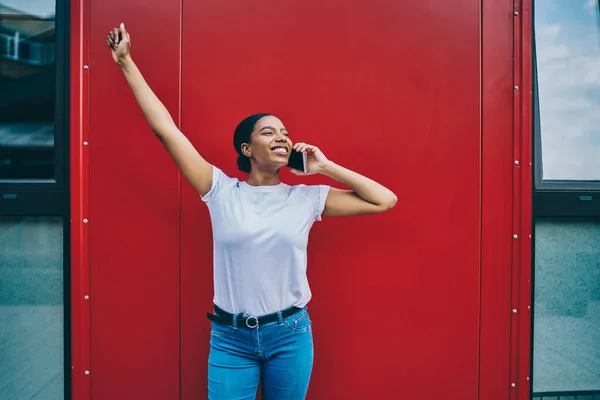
{"x":279,"y":354}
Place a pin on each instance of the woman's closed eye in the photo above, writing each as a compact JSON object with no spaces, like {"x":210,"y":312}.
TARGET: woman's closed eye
{"x":269,"y":133}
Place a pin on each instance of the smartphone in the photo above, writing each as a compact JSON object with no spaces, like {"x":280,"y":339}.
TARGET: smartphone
{"x":297,"y":161}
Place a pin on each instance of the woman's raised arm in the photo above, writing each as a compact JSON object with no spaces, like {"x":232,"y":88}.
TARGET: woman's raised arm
{"x":193,"y":166}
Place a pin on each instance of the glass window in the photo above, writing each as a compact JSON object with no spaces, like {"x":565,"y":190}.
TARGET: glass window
{"x":566,"y":318}
{"x":31,"y":308}
{"x":28,"y":87}
{"x":567,"y":94}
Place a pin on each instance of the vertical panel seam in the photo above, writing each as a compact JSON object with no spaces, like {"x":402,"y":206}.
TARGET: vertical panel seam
{"x":180,"y":224}
{"x":480,"y":197}
{"x":86,"y":24}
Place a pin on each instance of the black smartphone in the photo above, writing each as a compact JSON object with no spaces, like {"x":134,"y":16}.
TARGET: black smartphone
{"x":297,"y":161}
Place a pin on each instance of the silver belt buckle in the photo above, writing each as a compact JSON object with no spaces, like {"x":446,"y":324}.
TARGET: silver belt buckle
{"x":252,"y":318}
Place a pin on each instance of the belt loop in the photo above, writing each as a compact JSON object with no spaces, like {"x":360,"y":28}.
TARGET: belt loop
{"x":279,"y":318}
{"x":235,"y":317}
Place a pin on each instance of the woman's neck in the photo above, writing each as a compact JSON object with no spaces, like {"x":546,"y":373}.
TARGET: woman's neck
{"x":263,"y":178}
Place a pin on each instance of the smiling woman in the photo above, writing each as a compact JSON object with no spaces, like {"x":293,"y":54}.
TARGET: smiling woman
{"x":242,"y":139}
{"x":260,"y":231}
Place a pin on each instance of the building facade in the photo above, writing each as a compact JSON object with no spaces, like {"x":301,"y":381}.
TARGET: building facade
{"x":483,"y":282}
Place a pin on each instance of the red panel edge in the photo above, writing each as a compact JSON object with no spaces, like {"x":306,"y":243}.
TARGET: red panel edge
{"x":180,"y":193}
{"x":496,"y":199}
{"x":79,"y":198}
{"x":517,"y":187}
{"x":526,"y":112}
{"x":522,"y":215}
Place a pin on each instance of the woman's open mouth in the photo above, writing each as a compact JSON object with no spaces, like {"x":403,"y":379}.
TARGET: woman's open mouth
{"x":280,"y":150}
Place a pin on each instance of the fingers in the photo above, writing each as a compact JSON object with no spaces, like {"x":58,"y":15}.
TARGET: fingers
{"x":115,"y":33}
{"x":303,"y":147}
{"x":116,"y":36}
{"x":312,"y":149}
{"x":299,"y":173}
{"x":112,"y":39}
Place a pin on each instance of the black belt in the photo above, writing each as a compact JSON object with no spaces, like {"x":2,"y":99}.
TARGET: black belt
{"x":250,"y":321}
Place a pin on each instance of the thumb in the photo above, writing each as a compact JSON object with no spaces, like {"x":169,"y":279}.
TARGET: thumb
{"x":123,"y":31}
{"x":298,"y":173}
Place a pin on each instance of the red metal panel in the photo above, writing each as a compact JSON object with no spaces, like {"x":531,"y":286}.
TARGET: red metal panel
{"x":526,"y":113}
{"x":387,"y":88}
{"x":497,"y":200}
{"x":516,"y":217}
{"x":522,"y":212}
{"x":134,"y":209}
{"x":79,"y":199}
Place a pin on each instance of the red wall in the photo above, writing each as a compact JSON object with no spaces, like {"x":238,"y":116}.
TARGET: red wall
{"x":419,"y":95}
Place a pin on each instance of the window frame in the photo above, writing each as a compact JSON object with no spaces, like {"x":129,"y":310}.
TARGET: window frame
{"x":556,"y":198}
{"x":51,"y":197}
{"x":47,"y":197}
{"x":560,"y":200}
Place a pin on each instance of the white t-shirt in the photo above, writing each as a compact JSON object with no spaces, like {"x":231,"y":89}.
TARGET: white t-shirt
{"x":260,"y":236}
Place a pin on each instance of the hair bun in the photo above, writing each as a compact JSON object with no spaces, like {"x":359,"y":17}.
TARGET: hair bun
{"x":243,"y":163}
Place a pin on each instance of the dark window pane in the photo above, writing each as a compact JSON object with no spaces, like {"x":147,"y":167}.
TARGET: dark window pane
{"x":566,"y":344}
{"x":567,"y":95}
{"x":28,"y":88}
{"x":31,"y":308}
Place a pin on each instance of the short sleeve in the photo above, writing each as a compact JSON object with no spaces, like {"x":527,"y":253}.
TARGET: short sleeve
{"x":317,"y":196}
{"x":219,"y":181}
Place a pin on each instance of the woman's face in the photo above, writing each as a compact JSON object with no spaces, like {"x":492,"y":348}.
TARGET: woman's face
{"x":270,"y":145}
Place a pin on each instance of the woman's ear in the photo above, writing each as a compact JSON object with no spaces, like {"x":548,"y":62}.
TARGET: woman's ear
{"x":246,"y":150}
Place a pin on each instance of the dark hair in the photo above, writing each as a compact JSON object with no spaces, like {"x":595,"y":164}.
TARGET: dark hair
{"x":242,"y":135}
